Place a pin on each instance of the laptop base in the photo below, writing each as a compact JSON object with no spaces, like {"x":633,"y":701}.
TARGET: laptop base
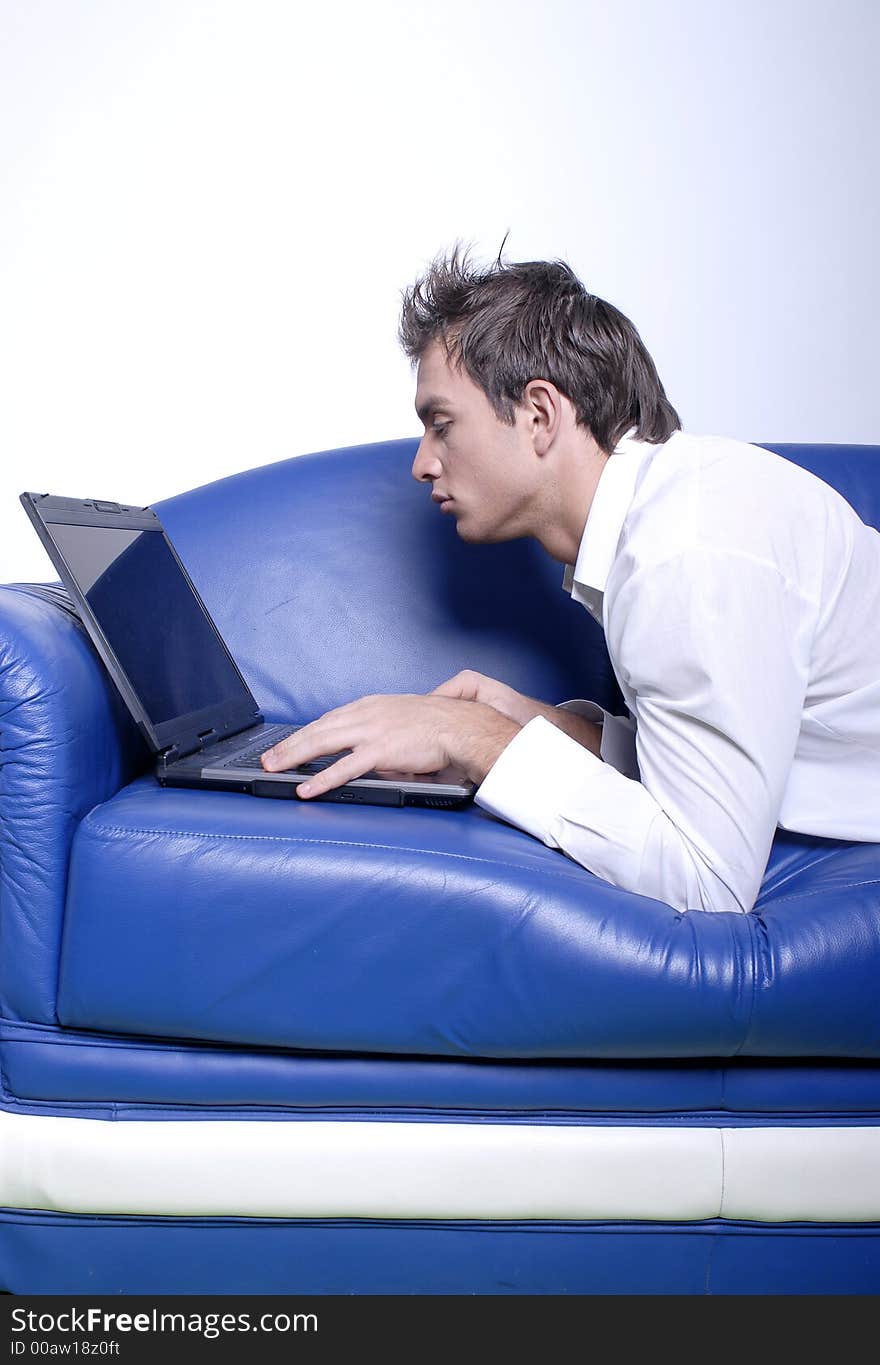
{"x":286,"y":791}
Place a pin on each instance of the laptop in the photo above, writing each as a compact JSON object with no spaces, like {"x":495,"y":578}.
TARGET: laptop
{"x":172,"y":667}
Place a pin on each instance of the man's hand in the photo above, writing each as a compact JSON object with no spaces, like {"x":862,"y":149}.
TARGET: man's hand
{"x":403,"y":734}
{"x":471,"y":686}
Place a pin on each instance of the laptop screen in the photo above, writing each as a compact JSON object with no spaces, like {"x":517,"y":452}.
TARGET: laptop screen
{"x":154,"y":624}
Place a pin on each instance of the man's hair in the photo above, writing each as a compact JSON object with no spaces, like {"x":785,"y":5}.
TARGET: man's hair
{"x":511,"y":323}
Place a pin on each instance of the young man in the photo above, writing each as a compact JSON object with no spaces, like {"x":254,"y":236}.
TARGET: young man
{"x":739,"y":595}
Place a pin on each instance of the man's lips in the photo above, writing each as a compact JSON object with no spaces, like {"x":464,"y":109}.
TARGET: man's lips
{"x":441,"y":499}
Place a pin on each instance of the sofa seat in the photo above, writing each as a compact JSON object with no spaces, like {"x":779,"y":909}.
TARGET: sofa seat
{"x":220,"y":917}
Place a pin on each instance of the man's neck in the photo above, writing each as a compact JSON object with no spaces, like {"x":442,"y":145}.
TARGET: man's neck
{"x":570,"y":497}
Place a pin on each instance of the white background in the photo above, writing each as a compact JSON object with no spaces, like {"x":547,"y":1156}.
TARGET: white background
{"x":209,"y":211}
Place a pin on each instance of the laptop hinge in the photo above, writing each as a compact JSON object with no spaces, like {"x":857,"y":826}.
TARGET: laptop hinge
{"x":174,"y":752}
{"x":168,"y":756}
{"x":191,"y":743}
{"x":185,"y":748}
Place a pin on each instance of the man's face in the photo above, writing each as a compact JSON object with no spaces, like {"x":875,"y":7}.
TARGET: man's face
{"x":484,"y":471}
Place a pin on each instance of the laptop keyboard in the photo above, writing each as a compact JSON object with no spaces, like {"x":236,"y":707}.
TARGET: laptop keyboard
{"x":251,"y":757}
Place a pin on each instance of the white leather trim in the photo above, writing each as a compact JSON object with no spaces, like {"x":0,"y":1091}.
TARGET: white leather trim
{"x":788,"y":1174}
{"x":339,"y":1169}
{"x":320,"y":1169}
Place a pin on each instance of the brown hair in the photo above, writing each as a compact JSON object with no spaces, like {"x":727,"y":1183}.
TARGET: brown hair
{"x":509,"y":324}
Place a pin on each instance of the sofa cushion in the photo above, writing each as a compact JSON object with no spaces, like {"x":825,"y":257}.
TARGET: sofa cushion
{"x":214,"y":916}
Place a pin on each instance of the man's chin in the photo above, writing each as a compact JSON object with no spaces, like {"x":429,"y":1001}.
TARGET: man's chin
{"x":470,"y":534}
{"x":473,"y":534}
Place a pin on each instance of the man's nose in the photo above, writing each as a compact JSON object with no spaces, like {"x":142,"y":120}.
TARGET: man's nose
{"x":425,"y":466}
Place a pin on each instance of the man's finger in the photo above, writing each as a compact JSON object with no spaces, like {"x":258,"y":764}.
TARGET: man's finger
{"x":345,"y":770}
{"x":462,"y":686}
{"x":312,"y":741}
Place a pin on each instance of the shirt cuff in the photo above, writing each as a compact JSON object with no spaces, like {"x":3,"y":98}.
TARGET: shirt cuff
{"x":534,"y":776}
{"x":618,"y":743}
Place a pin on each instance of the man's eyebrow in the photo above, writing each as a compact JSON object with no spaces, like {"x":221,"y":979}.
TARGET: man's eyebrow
{"x":425,"y":408}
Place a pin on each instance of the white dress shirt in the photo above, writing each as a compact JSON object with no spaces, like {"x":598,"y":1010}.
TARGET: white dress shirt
{"x":740,"y":599}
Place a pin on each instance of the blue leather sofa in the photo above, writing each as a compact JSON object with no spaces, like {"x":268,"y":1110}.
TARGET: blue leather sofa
{"x":254,"y":1046}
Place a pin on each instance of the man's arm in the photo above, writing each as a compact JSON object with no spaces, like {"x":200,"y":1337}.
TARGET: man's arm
{"x":472,"y":686}
{"x":715,"y":647}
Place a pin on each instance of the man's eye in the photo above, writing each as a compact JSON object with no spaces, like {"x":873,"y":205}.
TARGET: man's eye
{"x":440,"y":429}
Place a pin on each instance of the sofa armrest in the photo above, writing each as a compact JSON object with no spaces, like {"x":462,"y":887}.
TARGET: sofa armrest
{"x":67,"y":743}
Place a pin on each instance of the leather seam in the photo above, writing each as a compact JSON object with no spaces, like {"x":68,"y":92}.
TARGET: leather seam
{"x":789,"y":876}
{"x":162,"y":1111}
{"x":694,"y":1226}
{"x":758,"y":935}
{"x":721,"y":1133}
{"x":60,"y":1034}
{"x":427,"y":852}
{"x":825,"y":891}
{"x":337,"y":843}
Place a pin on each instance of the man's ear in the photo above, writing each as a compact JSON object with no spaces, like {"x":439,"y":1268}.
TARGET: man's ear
{"x":543,"y":404}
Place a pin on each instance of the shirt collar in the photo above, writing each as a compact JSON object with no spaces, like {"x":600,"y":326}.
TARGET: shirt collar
{"x":611,"y":502}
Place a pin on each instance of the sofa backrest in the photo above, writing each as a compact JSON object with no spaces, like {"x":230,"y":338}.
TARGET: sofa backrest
{"x":332,"y":576}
